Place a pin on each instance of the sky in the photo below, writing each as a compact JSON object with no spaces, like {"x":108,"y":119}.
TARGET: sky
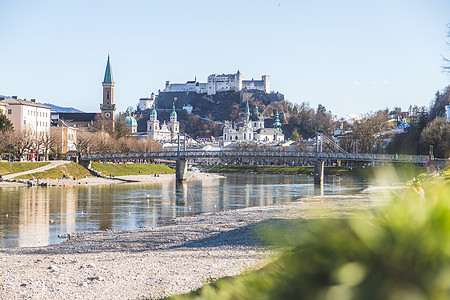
{"x":353,"y":57}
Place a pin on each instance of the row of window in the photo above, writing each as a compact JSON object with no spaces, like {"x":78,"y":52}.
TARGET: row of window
{"x":32,"y":113}
{"x":44,"y":124}
{"x":230,"y":137}
{"x":40,"y":113}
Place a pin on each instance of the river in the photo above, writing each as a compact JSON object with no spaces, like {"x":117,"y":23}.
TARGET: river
{"x":37,"y":216}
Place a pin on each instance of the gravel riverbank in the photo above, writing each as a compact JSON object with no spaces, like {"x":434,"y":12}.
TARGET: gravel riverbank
{"x":155,"y":262}
{"x":90,"y":181}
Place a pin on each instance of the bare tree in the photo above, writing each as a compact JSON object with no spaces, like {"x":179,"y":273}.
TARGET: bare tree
{"x":57,"y":137}
{"x":22,"y":142}
{"x":446,"y":65}
{"x":83,"y":141}
{"x":120,"y":128}
{"x":102,"y":142}
{"x":45,"y":142}
{"x":128,"y":144}
{"x":366,"y":134}
{"x":103,"y":124}
{"x":437,"y":134}
{"x":6,"y":141}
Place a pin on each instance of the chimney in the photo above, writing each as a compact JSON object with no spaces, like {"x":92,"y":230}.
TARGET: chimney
{"x":14,"y":97}
{"x":33,"y":100}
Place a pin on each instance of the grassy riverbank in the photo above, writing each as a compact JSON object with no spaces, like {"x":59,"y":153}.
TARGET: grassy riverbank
{"x":107,"y":169}
{"x":75,"y":170}
{"x":17,"y":167}
{"x":402,"y":172}
{"x":68,"y":170}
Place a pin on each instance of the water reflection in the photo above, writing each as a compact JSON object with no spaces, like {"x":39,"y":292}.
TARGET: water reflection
{"x":36,"y":216}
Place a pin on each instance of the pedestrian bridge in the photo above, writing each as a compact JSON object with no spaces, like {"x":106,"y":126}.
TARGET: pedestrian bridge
{"x":259,"y":154}
{"x":181,"y":157}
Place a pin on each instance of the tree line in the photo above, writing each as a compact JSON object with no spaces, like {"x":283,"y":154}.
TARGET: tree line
{"x":50,"y":144}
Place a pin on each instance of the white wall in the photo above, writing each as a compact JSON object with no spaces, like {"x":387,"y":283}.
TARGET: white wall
{"x":29,"y":117}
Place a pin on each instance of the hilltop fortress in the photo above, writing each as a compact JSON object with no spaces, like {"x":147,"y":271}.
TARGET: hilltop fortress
{"x":221,"y":83}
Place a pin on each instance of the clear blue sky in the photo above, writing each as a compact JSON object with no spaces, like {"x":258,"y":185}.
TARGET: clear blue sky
{"x":351,"y":56}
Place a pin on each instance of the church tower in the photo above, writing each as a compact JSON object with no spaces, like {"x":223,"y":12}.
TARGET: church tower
{"x":174,"y":125}
{"x":153,"y":124}
{"x":108,"y":107}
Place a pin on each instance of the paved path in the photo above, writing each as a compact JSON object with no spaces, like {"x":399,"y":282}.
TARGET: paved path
{"x":52,"y":165}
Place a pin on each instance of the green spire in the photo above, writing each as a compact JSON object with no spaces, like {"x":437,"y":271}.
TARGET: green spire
{"x":153,"y":111}
{"x":277,"y":123}
{"x":173,"y":113}
{"x":247,"y":111}
{"x":108,"y":73}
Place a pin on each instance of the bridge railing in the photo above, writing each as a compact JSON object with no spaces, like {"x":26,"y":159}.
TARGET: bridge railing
{"x":260,"y":154}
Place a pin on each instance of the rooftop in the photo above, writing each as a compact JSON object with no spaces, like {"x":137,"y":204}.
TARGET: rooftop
{"x":12,"y":101}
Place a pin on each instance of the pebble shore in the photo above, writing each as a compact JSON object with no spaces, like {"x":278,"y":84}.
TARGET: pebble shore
{"x":91,"y":181}
{"x":156,"y":262}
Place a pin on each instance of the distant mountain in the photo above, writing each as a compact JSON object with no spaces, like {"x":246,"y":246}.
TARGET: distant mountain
{"x":61,"y":109}
{"x":55,"y":108}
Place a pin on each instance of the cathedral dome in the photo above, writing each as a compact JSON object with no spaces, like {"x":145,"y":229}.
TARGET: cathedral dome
{"x":130,"y":121}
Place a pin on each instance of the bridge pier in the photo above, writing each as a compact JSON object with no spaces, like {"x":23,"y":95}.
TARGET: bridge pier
{"x":86,"y":163}
{"x":318,"y":171}
{"x":181,"y":169}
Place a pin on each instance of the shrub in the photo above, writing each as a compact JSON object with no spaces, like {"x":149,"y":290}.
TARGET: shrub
{"x":399,"y":252}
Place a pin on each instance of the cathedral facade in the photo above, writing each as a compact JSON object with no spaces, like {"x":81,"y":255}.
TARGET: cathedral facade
{"x":163,"y":132}
{"x":252,"y":129}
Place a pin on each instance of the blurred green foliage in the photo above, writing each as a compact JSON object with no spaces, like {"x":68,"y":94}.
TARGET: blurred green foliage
{"x":401,"y":251}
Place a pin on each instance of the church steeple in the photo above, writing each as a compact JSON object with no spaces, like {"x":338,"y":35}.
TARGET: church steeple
{"x":277,"y":123}
{"x":108,"y":107}
{"x":246,"y":112}
{"x":108,"y":73}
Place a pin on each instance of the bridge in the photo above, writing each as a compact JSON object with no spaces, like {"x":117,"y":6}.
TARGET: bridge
{"x":181,"y":157}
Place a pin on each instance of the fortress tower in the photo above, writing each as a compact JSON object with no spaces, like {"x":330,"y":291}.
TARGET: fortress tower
{"x":108,"y":107}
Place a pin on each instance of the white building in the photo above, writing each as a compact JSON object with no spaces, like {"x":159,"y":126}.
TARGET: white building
{"x":447,"y":112}
{"x":238,"y":134}
{"x":147,"y":103}
{"x":220,"y":83}
{"x":188,"y":108}
{"x":252,"y":130}
{"x":164,"y":132}
{"x":269,"y":135}
{"x":28,"y":115}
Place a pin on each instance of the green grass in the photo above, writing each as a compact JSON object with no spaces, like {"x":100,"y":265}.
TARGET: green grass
{"x":18,"y":167}
{"x":442,"y":175}
{"x":401,"y":251}
{"x":402,"y":172}
{"x":131,"y":169}
{"x":70,"y":170}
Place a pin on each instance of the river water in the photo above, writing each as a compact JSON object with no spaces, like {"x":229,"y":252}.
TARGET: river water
{"x":36,"y":216}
